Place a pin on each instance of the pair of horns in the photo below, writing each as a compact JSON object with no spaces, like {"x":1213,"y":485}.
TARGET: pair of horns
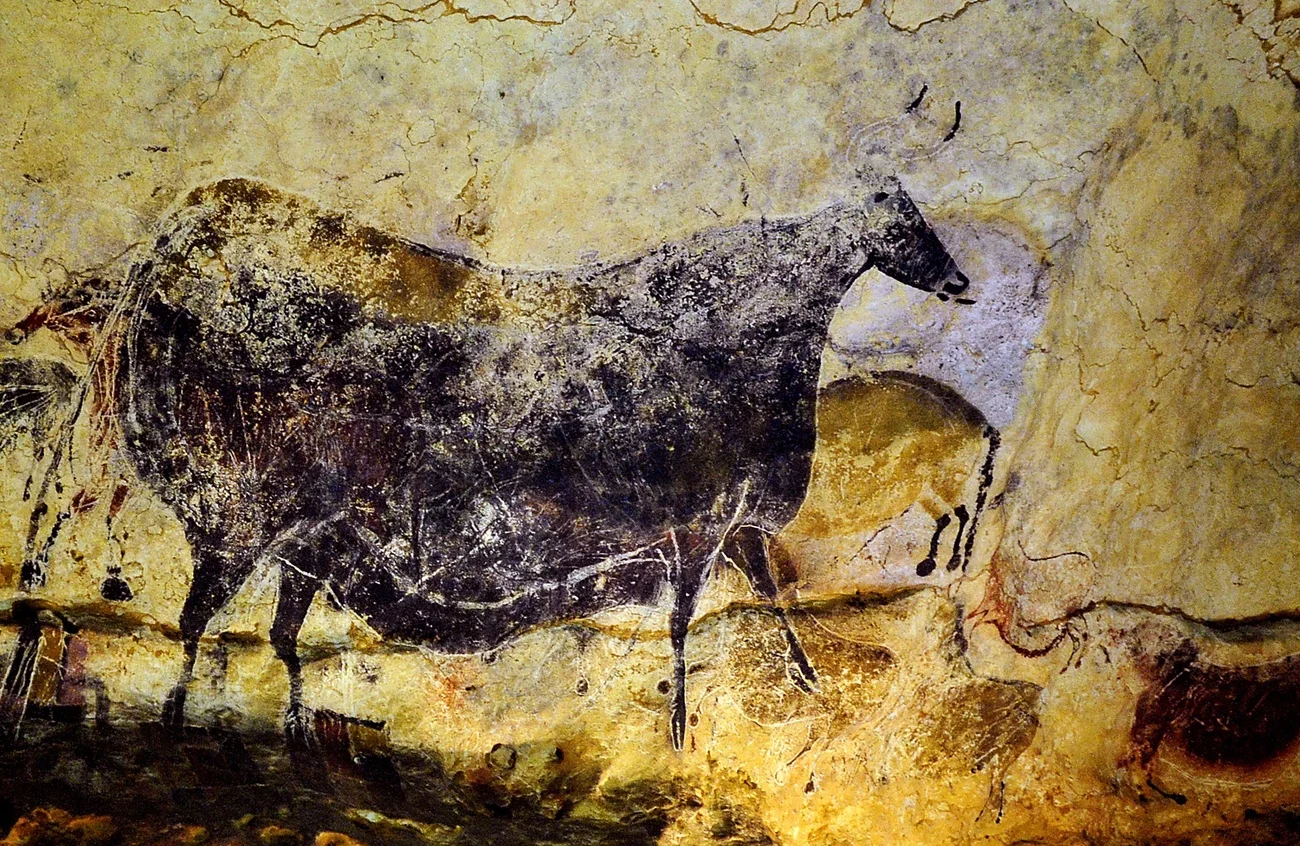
{"x":893,"y":138}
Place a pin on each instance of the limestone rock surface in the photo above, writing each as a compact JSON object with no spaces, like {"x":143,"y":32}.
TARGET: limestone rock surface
{"x":1101,"y":433}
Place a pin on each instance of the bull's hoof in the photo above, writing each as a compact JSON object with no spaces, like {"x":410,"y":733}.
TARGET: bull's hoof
{"x":800,"y":680}
{"x":679,"y":731}
{"x":797,"y":665}
{"x":306,"y":753}
{"x":802,"y":674}
{"x":926,"y":567}
{"x":678,"y":721}
{"x":298,"y":734}
{"x":1176,"y":798}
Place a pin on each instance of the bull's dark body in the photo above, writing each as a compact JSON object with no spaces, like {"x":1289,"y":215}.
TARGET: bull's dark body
{"x":458,"y":481}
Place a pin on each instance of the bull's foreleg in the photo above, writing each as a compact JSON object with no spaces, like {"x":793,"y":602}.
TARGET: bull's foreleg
{"x":748,"y":547}
{"x":33,"y":569}
{"x":691,"y":568}
{"x":216,"y":579}
{"x":297,"y":589}
{"x":927,"y":564}
{"x":35,"y":562}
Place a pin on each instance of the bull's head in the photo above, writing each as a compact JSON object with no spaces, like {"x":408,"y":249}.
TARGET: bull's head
{"x":898,"y":241}
{"x":895,"y":238}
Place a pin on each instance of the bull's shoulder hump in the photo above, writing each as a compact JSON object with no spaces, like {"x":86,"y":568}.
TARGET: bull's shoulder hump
{"x":753,"y":234}
{"x":411,"y":280}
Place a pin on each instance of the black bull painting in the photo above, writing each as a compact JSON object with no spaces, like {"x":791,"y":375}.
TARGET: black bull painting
{"x":459,"y":452}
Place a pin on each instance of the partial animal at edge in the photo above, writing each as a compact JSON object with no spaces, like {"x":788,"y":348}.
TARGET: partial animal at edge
{"x":890,"y":440}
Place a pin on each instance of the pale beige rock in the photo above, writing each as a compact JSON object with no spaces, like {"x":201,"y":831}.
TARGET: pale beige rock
{"x":911,"y":15}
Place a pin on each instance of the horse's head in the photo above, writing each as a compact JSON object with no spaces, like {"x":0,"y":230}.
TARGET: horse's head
{"x":897,"y":240}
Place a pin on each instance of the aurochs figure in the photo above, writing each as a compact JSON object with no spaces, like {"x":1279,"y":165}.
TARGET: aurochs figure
{"x":459,"y":452}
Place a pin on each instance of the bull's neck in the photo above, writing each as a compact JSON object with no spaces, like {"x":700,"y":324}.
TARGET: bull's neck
{"x":829,"y":244}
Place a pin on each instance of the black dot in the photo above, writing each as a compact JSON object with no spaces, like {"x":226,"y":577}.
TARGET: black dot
{"x":663,"y":686}
{"x":881,"y":197}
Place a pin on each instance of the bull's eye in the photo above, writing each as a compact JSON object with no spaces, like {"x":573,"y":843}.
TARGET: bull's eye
{"x":881,"y":197}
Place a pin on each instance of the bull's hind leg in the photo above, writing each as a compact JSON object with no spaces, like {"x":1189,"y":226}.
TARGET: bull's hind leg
{"x":297,"y":589}
{"x":217,"y":576}
{"x":748,"y":547}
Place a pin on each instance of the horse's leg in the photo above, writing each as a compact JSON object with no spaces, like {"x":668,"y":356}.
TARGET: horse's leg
{"x":35,"y":564}
{"x":986,"y":481}
{"x":33,"y":570}
{"x":297,"y":589}
{"x":115,"y":588}
{"x":963,"y":523}
{"x":217,"y":577}
{"x":927,"y":564}
{"x":747,"y":546}
{"x":81,"y":503}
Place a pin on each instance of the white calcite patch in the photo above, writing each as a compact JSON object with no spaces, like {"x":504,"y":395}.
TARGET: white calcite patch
{"x":979,"y":348}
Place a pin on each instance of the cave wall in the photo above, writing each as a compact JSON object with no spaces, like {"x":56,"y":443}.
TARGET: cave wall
{"x":1113,"y":663}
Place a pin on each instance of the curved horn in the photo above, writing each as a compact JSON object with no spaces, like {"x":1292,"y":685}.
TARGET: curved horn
{"x":918,"y":133}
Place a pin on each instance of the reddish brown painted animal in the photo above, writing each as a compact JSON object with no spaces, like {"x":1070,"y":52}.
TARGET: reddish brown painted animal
{"x":1234,"y":718}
